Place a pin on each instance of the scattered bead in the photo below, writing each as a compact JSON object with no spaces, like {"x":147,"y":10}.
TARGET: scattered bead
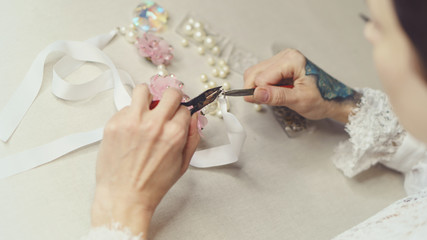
{"x":222,"y":74}
{"x":191,"y":21}
{"x":188,"y":29}
{"x":198,"y":25}
{"x":211,"y":61}
{"x":199,"y":36}
{"x":215,"y":72}
{"x":201,"y":50}
{"x":209,"y":42}
{"x":257,"y":107}
{"x":226,"y":85}
{"x":215,"y":50}
{"x":204,"y":78}
{"x":226,"y":68}
{"x":184,"y":42}
{"x":130,"y":36}
{"x":222,"y":62}
{"x":132,"y":26}
{"x":206,"y":86}
{"x":211,"y":84}
{"x":122,"y":30}
{"x":219,"y":114}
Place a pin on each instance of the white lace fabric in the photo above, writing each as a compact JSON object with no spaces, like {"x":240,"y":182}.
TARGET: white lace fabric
{"x":375,"y":135}
{"x":404,"y":219}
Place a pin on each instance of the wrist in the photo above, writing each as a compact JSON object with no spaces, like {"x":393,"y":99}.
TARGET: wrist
{"x":109,"y":211}
{"x":341,"y":111}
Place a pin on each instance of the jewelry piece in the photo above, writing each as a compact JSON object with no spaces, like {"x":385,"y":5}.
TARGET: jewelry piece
{"x":149,"y":16}
{"x":155,"y":49}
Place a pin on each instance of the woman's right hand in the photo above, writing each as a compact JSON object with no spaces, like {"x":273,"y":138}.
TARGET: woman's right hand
{"x":143,"y":153}
{"x":304,"y":98}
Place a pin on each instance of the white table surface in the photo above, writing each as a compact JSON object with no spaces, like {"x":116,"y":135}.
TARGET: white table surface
{"x":280,"y":189}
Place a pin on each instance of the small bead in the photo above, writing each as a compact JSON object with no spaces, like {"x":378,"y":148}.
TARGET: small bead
{"x":222,"y":74}
{"x":211,"y":84}
{"x":198,"y":25}
{"x":162,"y":73}
{"x":209,"y":42}
{"x":219,"y":114}
{"x":122,"y":30}
{"x":257,"y":107}
{"x":184,"y":42}
{"x":226,"y":68}
{"x":211,"y":61}
{"x":226,"y":85}
{"x":161,"y":67}
{"x":201,"y":50}
{"x":206,"y":86}
{"x":191,"y":21}
{"x":215,"y":72}
{"x":188,"y":29}
{"x":132,"y":26}
{"x":199,"y":36}
{"x":215,"y":50}
{"x":222,"y":62}
{"x":204,"y":78}
{"x":130,"y":36}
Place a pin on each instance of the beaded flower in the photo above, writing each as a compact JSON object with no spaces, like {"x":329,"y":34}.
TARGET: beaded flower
{"x":158,"y":84}
{"x":154,"y":48}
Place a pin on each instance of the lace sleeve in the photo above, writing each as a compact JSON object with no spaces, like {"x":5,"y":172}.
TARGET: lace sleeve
{"x":404,"y":219}
{"x":375,"y":134}
{"x":111,"y":233}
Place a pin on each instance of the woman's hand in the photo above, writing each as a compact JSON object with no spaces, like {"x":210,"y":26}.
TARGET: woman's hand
{"x":306,"y":97}
{"x":143,"y":153}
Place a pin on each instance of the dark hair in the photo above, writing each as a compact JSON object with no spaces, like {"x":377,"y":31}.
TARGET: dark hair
{"x":412,"y":15}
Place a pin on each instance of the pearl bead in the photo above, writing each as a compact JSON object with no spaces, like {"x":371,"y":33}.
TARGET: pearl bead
{"x":211,"y":84}
{"x":215,"y":50}
{"x":201,"y":50}
{"x":162,"y":73}
{"x":184,"y":42}
{"x":191,"y":21}
{"x":188,"y":29}
{"x":161,"y":67}
{"x":257,"y":107}
{"x":209,"y":42}
{"x":222,"y":74}
{"x":211,"y":61}
{"x":222,"y":62}
{"x":226,"y":85}
{"x":215,"y":72}
{"x":199,"y":36}
{"x":206,"y":86}
{"x":219,"y":114}
{"x":204,"y":78}
{"x":132,"y":26}
{"x":131,"y":36}
{"x":198,"y":25}
{"x":225,"y":68}
{"x":122,"y":30}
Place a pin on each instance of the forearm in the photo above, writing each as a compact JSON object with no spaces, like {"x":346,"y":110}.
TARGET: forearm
{"x":340,"y":98}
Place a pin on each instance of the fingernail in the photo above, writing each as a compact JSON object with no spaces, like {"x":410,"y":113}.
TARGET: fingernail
{"x":261,"y":95}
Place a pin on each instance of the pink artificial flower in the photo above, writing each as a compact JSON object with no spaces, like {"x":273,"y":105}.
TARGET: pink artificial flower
{"x":158,"y":84}
{"x":154,"y":48}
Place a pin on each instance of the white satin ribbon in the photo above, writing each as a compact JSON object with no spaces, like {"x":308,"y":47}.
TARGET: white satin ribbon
{"x":77,"y":53}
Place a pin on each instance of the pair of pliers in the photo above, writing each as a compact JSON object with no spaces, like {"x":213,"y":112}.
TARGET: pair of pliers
{"x":196,"y":104}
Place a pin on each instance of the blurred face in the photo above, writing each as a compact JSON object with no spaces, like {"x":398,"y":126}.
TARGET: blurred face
{"x":398,"y":67}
